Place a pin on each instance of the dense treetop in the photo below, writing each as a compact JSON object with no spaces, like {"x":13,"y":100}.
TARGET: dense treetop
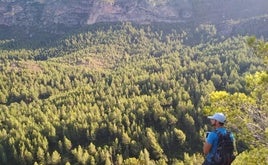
{"x":127,"y":94}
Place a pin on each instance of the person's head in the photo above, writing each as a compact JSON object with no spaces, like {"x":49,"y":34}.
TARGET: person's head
{"x":217,"y":120}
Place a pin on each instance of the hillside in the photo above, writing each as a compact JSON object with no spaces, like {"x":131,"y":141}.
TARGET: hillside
{"x":128,"y":95}
{"x":131,"y":82}
{"x":227,"y":14}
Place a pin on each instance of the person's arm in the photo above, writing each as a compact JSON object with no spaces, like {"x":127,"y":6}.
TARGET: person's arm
{"x":206,"y":148}
{"x":208,"y":142}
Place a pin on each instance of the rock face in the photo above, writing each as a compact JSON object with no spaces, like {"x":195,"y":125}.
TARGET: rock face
{"x":83,"y":12}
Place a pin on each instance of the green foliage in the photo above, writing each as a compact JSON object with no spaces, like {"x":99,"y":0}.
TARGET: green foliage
{"x":125,"y":95}
{"x":259,"y":47}
{"x":179,"y":135}
{"x":254,"y":156}
{"x":55,"y":158}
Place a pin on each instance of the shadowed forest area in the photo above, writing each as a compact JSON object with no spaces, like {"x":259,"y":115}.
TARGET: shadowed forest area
{"x":129,"y":94}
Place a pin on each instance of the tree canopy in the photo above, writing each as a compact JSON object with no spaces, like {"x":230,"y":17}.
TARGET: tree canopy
{"x":127,"y":94}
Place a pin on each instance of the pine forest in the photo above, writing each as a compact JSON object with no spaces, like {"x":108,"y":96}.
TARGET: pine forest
{"x":127,"y":94}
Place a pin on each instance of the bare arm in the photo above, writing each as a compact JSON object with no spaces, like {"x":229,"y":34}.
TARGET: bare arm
{"x":206,"y":148}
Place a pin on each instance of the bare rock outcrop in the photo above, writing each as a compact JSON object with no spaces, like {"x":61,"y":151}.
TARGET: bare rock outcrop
{"x":83,"y":12}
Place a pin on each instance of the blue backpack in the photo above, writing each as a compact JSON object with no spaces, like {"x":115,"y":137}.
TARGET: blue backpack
{"x":225,"y":150}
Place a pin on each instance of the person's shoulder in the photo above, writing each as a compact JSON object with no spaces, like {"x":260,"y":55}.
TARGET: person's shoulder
{"x":221,"y":130}
{"x":211,"y":137}
{"x":225,"y":131}
{"x":213,"y":134}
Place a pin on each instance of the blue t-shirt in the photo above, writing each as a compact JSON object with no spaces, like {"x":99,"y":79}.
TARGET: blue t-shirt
{"x":212,"y":139}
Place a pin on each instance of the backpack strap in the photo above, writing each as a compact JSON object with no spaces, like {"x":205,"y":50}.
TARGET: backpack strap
{"x":219,"y":134}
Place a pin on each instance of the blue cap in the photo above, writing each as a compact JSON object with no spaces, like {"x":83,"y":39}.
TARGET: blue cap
{"x":219,"y":117}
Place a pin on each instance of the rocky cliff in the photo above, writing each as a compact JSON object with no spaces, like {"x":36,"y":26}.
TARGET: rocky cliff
{"x":84,"y":12}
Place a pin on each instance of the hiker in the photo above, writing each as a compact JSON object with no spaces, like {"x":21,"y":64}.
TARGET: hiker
{"x":212,"y":138}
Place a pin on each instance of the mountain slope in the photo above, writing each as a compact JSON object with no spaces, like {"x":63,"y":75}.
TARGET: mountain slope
{"x":84,"y":12}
